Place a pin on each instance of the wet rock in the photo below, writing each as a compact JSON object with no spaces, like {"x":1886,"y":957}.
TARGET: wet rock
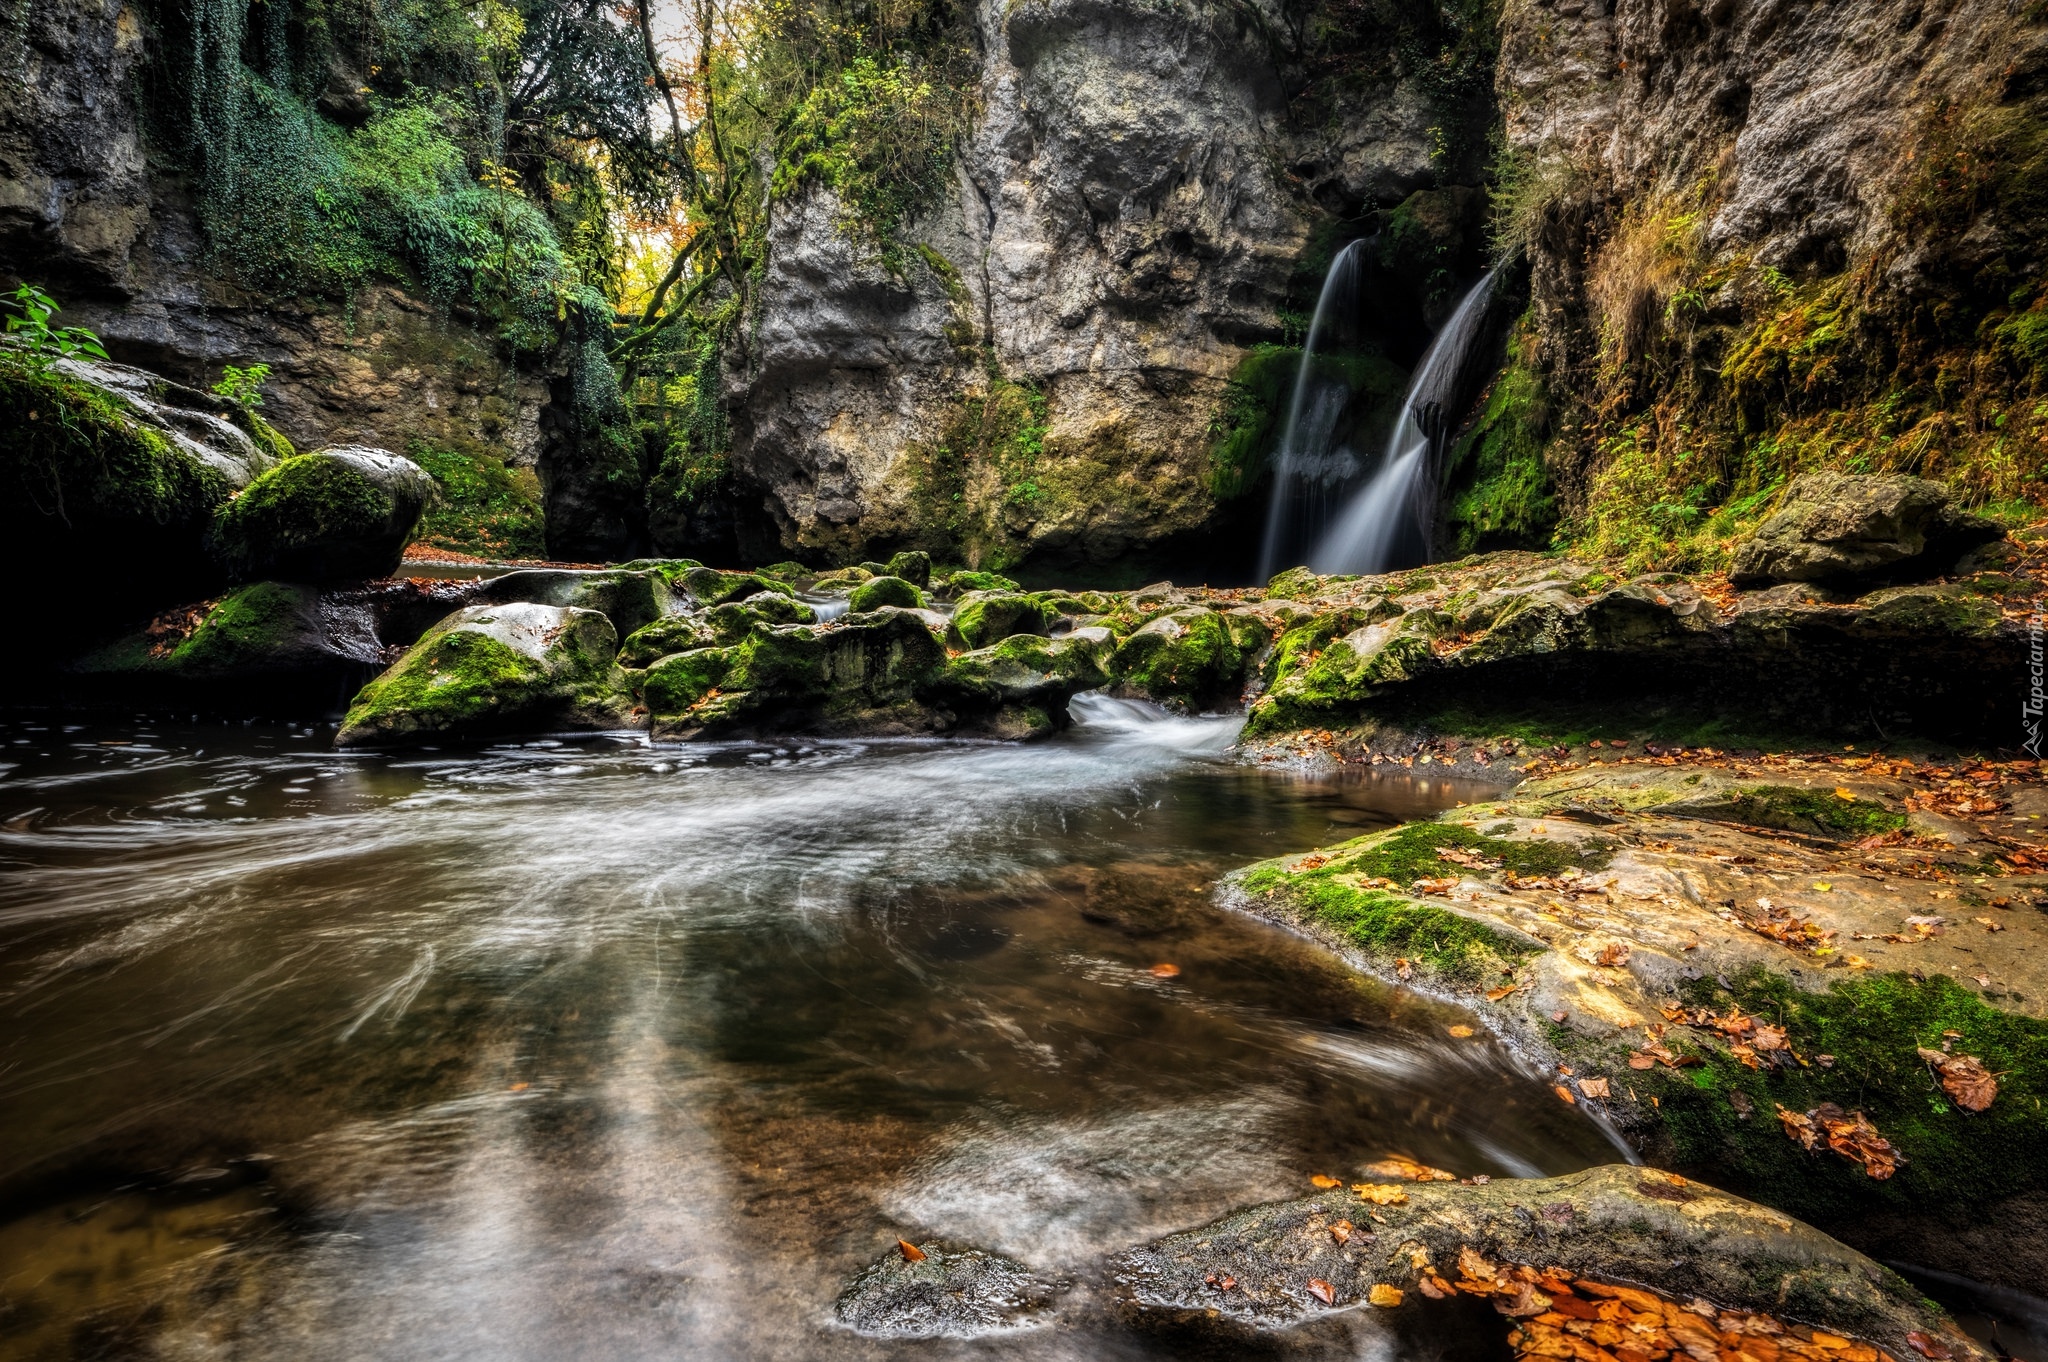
{"x":709,"y":586}
{"x":1192,"y":657}
{"x":336,"y":515}
{"x":1020,"y":686}
{"x":670,"y":634}
{"x":630,"y":598}
{"x":1616,"y":1224}
{"x":491,"y":669}
{"x":877,"y":592}
{"x":983,"y":617}
{"x":1841,"y":526}
{"x":961,"y":1293}
{"x":913,"y":566}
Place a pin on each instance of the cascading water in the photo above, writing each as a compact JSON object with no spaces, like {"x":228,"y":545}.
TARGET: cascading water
{"x":1392,"y":516}
{"x":1310,"y":465}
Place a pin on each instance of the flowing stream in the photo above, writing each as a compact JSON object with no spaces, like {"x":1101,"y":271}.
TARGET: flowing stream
{"x":607,"y":1050}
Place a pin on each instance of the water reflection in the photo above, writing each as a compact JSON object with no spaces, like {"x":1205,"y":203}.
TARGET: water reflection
{"x":611,"y":1050}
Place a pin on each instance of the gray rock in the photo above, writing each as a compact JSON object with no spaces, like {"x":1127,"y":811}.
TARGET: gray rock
{"x":1839,"y":526}
{"x":335,"y":515}
{"x":630,"y":599}
{"x":961,"y":1293}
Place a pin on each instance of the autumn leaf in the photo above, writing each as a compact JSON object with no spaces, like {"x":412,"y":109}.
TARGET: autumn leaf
{"x":1341,"y":1231}
{"x":1494,"y":995}
{"x":1384,"y":1296}
{"x":1162,"y":970}
{"x":1460,"y":1031}
{"x":1929,"y":1347}
{"x":1322,"y":1290}
{"x":911,"y":1252}
{"x":1379,"y":1193}
{"x":1565,"y":1093}
{"x":1856,"y":1139}
{"x":1396,"y":1166}
{"x":1799,"y":1126}
{"x":1964,"y":1078}
{"x":1404,"y":968}
{"x":1594,"y":1087}
{"x":1325,"y":1180}
{"x":1428,"y":1287}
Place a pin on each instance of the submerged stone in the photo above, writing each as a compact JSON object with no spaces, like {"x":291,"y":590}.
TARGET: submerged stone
{"x":490,"y":669}
{"x":335,"y":515}
{"x":962,"y":1293}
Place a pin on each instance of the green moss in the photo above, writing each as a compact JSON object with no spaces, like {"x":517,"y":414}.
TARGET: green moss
{"x":880,"y":591}
{"x":965,"y":580}
{"x":449,"y":680}
{"x":1814,"y":811}
{"x":1247,"y":424}
{"x":1409,"y":853}
{"x":670,"y":634}
{"x":484,"y":506}
{"x":1497,"y":491}
{"x":1199,"y":663}
{"x":677,"y":682}
{"x":1871,"y":1027}
{"x":983,"y":617}
{"x":711,"y":587}
{"x":290,"y":515}
{"x":913,"y":566}
{"x":246,"y":629}
{"x":1387,"y":926}
{"x":268,"y":438}
{"x":71,"y":453}
{"x":1335,"y":684}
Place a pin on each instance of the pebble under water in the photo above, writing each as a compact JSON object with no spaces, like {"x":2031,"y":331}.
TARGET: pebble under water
{"x":600,"y":1049}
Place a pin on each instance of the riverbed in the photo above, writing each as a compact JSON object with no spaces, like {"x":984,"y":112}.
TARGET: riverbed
{"x":605,"y":1049}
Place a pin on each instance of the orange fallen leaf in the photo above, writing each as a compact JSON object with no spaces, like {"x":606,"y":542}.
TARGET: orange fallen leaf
{"x":1461,"y":1031}
{"x":1964,"y":1078}
{"x":1379,"y":1193}
{"x":1404,"y":968}
{"x":1325,"y":1180}
{"x":1564,"y":1092}
{"x":1322,"y":1290}
{"x":1494,"y":995}
{"x":519,"y":1087}
{"x":1384,"y":1296}
{"x":1162,"y":970}
{"x":1398,"y":1166}
{"x":1341,"y":1231}
{"x":911,"y":1252}
{"x":1428,"y":1287}
{"x":1594,"y":1087}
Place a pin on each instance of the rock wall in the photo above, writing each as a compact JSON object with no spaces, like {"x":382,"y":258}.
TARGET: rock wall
{"x":83,"y":213}
{"x":1128,"y":218}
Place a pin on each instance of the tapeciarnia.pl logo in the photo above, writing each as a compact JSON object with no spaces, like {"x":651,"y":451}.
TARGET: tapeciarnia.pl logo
{"x":2031,"y":711}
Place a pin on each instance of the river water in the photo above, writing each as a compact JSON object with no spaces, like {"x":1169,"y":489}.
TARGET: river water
{"x":598,"y":1049}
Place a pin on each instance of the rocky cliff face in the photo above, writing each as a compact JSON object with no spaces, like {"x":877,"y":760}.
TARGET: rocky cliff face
{"x":83,"y":212}
{"x":1040,"y":376}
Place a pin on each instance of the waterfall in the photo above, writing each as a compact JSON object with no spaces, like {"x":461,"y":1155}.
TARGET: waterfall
{"x":1308,"y":463}
{"x":1393,"y":516}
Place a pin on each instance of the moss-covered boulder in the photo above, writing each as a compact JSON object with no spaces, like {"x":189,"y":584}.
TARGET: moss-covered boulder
{"x":270,"y":646}
{"x":983,"y":617}
{"x":631,"y":598}
{"x":1019,"y":687}
{"x":109,"y":479}
{"x":913,"y":566}
{"x":491,"y":669}
{"x":1845,"y":526}
{"x":669,"y":634}
{"x":709,"y":586}
{"x":877,"y":592}
{"x":964,"y":581}
{"x":335,"y":515}
{"x":859,"y":674}
{"x":1192,"y":657}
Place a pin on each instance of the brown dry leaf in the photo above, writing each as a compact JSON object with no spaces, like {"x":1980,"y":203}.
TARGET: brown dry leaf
{"x":911,"y":1252}
{"x":1441,"y":887}
{"x":1341,"y":1231}
{"x":1404,"y":968}
{"x":1384,"y":1296}
{"x":1929,"y":1347}
{"x":1594,"y":1087}
{"x":1428,"y":1287}
{"x":1613,"y":955}
{"x":1642,"y":1060}
{"x":1964,"y":1078}
{"x":1162,"y":970}
{"x":1379,"y":1193}
{"x":1461,"y":1031}
{"x":1325,"y":1180}
{"x":1322,"y":1290}
{"x":1527,"y":1302}
{"x":1745,"y":1055}
{"x":1799,"y":1126}
{"x":1765,"y":1037}
{"x":1494,"y":995}
{"x":1226,"y":1283}
{"x":1856,"y":1139}
{"x":1991,"y":924}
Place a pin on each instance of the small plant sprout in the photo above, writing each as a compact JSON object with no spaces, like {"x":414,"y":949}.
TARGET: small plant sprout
{"x":43,"y":344}
{"x":242,"y":386}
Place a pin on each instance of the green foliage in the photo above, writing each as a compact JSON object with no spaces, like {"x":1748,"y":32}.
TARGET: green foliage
{"x":243,"y":387}
{"x":484,"y":506}
{"x":1498,"y":493}
{"x":1245,"y":426}
{"x":981,"y":479}
{"x":40,"y":344}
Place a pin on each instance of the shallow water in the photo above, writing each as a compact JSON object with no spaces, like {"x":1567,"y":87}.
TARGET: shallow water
{"x":606,"y":1050}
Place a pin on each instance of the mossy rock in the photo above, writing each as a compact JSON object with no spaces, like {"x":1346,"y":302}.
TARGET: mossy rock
{"x":862,"y":674}
{"x":631,"y":598}
{"x":1816,"y":812}
{"x":786,"y":571}
{"x":983,"y":617}
{"x":1028,"y":670}
{"x":877,"y":592}
{"x":840,"y":579}
{"x":913,"y":566}
{"x":670,"y":570}
{"x":676,"y":683}
{"x":492,"y":669}
{"x":669,"y":634}
{"x":335,"y":515}
{"x":1350,"y":671}
{"x":967,"y":580}
{"x":709,"y":586}
{"x":1299,"y":584}
{"x":265,"y":646}
{"x":1187,"y":657}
